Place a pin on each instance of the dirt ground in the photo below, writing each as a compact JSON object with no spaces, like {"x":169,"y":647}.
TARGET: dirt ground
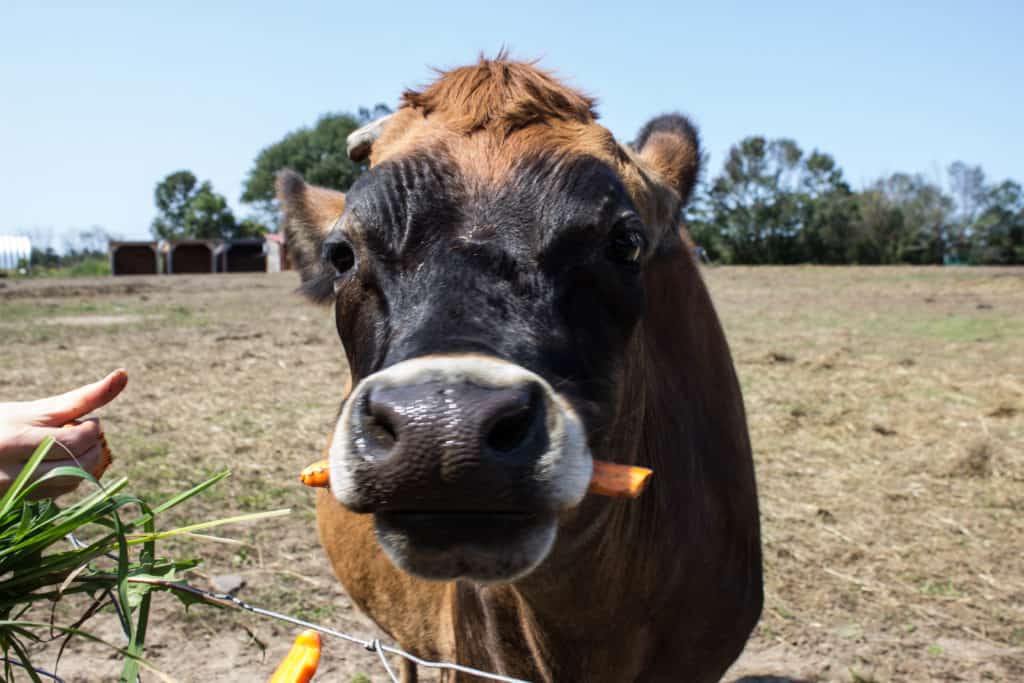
{"x":886,"y":408}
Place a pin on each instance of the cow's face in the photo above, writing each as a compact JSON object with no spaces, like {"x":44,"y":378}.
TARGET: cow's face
{"x":487,"y":289}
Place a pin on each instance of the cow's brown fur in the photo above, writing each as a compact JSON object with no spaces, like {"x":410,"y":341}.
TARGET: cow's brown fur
{"x":664,"y":588}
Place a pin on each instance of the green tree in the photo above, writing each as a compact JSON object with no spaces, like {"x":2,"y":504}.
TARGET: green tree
{"x":189,"y":209}
{"x":970,"y":193}
{"x":997,"y":236}
{"x":172,"y":197}
{"x":208,"y":215}
{"x":829,"y":213}
{"x":250,"y":227}
{"x":773,"y":204}
{"x":750,"y":206}
{"x":880,"y":231}
{"x":698,"y":219}
{"x":319,"y":153}
{"x":925,"y":215}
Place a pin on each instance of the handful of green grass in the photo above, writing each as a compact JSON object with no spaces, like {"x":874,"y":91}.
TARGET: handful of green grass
{"x":42,"y":560}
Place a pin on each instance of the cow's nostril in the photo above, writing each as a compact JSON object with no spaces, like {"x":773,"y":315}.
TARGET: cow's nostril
{"x":379,"y":425}
{"x":513,"y":429}
{"x":381,"y":431}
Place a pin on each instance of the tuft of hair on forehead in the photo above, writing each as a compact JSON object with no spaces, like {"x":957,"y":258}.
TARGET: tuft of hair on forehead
{"x":500,"y":95}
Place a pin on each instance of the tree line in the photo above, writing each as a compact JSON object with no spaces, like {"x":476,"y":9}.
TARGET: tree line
{"x":774,"y":203}
{"x":771,"y":203}
{"x":188,"y":208}
{"x":80,"y":253}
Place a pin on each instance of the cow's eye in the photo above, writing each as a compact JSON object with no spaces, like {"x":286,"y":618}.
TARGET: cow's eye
{"x":339,"y":254}
{"x":626,"y":247}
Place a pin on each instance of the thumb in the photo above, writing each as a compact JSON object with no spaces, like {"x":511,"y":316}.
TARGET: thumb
{"x":57,"y":410}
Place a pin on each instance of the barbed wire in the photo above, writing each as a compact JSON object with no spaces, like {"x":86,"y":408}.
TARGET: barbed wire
{"x":39,"y":672}
{"x":228,"y":600}
{"x":372,"y":645}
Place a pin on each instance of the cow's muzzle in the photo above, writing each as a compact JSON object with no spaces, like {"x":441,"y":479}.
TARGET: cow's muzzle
{"x":465,"y":462}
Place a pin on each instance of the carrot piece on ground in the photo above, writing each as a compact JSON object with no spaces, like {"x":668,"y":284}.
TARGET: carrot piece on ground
{"x":618,"y":481}
{"x":318,"y":474}
{"x":608,"y":479}
{"x":301,"y":661}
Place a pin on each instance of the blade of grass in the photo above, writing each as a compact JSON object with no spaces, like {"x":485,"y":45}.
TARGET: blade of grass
{"x":26,"y":661}
{"x":135,"y":540}
{"x":13,"y":494}
{"x":181,"y":497}
{"x":138,"y":637}
{"x":23,"y":626}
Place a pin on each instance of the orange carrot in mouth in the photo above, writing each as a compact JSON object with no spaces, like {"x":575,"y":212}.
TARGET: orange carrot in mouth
{"x":317,"y":475}
{"x":301,"y":662}
{"x":618,"y":481}
{"x":609,"y":478}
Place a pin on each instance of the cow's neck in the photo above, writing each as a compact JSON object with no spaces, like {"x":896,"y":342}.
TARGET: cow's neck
{"x":620,"y":576}
{"x":578,"y":618}
{"x":591,"y":608}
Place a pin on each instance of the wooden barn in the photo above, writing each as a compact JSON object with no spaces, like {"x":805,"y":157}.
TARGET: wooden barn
{"x":134,"y":258}
{"x":251,"y":255}
{"x":191,"y":256}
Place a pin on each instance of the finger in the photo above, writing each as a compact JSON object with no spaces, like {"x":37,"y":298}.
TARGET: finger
{"x":91,"y":461}
{"x":77,"y":438}
{"x":56,"y":410}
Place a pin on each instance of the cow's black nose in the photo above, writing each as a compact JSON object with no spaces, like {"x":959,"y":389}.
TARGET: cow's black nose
{"x":449,"y":445}
{"x":460,"y":434}
{"x":454,"y":423}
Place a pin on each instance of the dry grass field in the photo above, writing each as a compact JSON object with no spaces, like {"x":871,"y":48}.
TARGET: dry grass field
{"x":886,"y":408}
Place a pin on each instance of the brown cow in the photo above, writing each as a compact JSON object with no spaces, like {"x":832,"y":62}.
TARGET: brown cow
{"x":515,"y":297}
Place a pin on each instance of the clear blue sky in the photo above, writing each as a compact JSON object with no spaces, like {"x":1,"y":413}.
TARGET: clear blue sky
{"x":96,"y":105}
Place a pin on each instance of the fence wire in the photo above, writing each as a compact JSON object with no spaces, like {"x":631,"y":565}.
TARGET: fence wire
{"x":372,"y":645}
{"x":228,"y":600}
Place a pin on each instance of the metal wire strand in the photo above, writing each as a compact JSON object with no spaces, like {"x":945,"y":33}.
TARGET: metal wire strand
{"x":373,"y":645}
{"x":40,"y":672}
{"x":376,"y":646}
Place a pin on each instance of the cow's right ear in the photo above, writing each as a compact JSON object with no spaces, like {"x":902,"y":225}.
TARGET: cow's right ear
{"x":308,"y":214}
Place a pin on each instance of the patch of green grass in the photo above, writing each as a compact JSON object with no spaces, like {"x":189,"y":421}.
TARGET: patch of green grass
{"x":260,"y":495}
{"x":30,"y":310}
{"x":944,"y":589}
{"x":953,"y":328}
{"x":22,"y":318}
{"x":360,"y":678}
{"x":288,"y":594}
{"x":244,"y":422}
{"x":850,"y":631}
{"x":857,"y":677}
{"x":934,"y":650}
{"x":91,"y":267}
{"x":939,"y":327}
{"x":783,"y":612}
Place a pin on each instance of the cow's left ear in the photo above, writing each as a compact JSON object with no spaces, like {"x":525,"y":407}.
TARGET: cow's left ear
{"x":308,"y":214}
{"x":670,"y":145}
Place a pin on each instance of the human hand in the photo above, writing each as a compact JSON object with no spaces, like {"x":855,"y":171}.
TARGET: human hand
{"x":24,"y":425}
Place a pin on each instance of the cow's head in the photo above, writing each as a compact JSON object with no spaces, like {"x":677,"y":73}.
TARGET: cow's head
{"x":488,"y":275}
